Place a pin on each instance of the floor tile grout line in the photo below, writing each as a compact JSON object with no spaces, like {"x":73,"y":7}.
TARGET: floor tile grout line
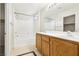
{"x":28,"y":53}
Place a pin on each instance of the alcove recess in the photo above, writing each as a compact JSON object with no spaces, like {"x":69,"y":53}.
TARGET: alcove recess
{"x":69,"y":23}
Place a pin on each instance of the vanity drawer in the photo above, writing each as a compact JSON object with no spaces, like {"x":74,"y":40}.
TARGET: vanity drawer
{"x":45,"y":38}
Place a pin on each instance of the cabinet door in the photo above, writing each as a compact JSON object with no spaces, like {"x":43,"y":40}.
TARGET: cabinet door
{"x":64,"y":48}
{"x":45,"y":48}
{"x":45,"y":45}
{"x":51,"y":47}
{"x":38,"y":42}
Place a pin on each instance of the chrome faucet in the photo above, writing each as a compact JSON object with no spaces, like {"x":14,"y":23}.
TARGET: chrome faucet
{"x":69,"y":33}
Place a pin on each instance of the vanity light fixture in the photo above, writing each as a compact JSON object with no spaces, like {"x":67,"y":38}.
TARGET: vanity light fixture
{"x":52,"y":5}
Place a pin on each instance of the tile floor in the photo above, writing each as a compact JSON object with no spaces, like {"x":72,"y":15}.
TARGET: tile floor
{"x":31,"y":54}
{"x":25,"y":49}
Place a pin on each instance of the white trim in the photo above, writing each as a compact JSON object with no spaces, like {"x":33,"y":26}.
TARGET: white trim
{"x":8,"y":29}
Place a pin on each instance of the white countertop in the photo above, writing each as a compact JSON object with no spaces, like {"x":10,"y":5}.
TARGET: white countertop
{"x":74,"y":36}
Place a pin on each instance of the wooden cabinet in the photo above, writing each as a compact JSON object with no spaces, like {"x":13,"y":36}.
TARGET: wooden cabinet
{"x":54,"y":46}
{"x":38,"y":42}
{"x":61,"y":47}
{"x":45,"y":45}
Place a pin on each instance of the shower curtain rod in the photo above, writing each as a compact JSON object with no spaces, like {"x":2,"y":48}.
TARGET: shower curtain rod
{"x":22,"y":14}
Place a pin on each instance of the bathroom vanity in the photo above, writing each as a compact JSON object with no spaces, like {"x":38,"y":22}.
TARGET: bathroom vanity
{"x":51,"y":44}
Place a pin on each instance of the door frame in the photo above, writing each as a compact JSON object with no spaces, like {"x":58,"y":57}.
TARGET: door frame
{"x":8,"y":29}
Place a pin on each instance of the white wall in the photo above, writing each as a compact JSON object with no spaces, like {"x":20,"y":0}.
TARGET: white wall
{"x":36,"y":20}
{"x":42,"y":19}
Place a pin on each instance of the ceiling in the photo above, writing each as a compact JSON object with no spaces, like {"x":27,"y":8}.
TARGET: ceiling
{"x":50,"y":9}
{"x":28,"y":8}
